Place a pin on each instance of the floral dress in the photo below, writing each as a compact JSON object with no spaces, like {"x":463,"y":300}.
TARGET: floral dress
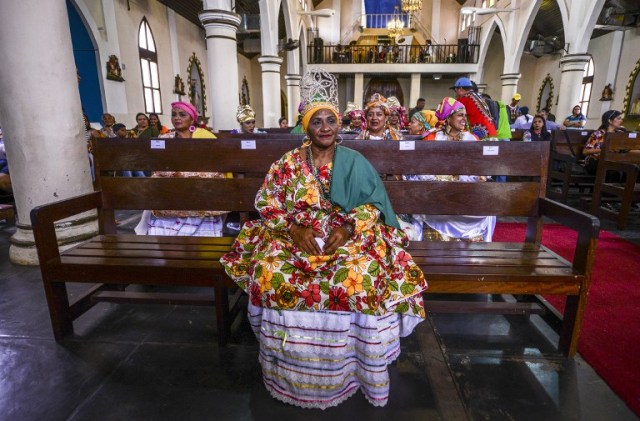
{"x":351,"y":306}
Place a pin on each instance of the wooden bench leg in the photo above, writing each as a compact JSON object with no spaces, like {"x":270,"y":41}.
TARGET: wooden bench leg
{"x":571,"y":323}
{"x":59,"y":311}
{"x":222,"y":314}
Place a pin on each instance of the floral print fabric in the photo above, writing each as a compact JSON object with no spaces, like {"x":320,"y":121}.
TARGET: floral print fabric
{"x":371,"y":274}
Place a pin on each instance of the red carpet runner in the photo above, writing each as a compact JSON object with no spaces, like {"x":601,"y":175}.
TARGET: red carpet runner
{"x":610,"y":338}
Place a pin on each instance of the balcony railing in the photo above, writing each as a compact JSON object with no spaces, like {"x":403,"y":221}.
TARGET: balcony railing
{"x":390,"y":54}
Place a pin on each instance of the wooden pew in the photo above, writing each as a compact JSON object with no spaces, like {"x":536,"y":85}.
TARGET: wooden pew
{"x":566,"y":164}
{"x":115,"y":260}
{"x":620,"y":153}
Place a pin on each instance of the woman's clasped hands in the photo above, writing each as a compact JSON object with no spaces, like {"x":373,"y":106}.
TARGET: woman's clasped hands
{"x":310,"y":241}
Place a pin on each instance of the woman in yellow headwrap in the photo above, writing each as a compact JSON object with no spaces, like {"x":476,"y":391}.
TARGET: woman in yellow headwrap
{"x":423,"y":122}
{"x":377,"y":115}
{"x":331,"y":286}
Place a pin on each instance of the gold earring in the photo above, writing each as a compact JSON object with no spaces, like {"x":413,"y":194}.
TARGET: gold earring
{"x":306,"y":142}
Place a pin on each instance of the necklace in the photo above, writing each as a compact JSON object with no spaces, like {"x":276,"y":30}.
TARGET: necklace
{"x":316,"y":173}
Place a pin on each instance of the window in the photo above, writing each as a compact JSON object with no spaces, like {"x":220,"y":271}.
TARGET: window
{"x":587,"y":84}
{"x":149,"y":69}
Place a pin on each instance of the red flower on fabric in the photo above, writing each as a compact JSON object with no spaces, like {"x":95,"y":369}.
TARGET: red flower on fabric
{"x":338,"y":299}
{"x":403,"y":259}
{"x":311,"y":295}
{"x":285,"y":172}
{"x":255,"y":295}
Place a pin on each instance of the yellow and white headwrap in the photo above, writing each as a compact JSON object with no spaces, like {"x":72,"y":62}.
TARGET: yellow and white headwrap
{"x":378,"y":101}
{"x":244,"y":113}
{"x":318,"y":91}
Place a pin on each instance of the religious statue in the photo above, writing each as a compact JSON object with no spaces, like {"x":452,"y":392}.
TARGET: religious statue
{"x":178,"y":87}
{"x":635,"y":107}
{"x":114,"y":72}
{"x":607,"y":93}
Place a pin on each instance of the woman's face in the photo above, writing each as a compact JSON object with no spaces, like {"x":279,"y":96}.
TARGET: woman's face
{"x":154,"y":120}
{"x":616,"y":123}
{"x":458,"y":120}
{"x":376,"y":120}
{"x":284,"y":124}
{"x":356,"y":122}
{"x":143,"y":122}
{"x":248,"y":126}
{"x":323,"y":129}
{"x":537,"y":124}
{"x":576,"y":110}
{"x":181,"y":119}
{"x":415,"y":127}
{"x":394,"y":118}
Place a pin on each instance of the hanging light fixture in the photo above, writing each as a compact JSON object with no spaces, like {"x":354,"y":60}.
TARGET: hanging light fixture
{"x":410,"y":6}
{"x":396,"y":25}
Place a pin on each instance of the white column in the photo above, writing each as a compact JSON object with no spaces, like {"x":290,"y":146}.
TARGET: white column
{"x":572,"y":69}
{"x":482,"y":87}
{"x":46,"y":165}
{"x":414,"y":90}
{"x":435,"y":22}
{"x":293,"y":93}
{"x":222,"y":64}
{"x":509,"y":86}
{"x":270,"y":89}
{"x":358,"y":89}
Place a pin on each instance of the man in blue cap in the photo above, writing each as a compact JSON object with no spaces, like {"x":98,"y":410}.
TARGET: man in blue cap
{"x":478,"y":113}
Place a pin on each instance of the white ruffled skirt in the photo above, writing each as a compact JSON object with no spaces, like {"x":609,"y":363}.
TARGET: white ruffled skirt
{"x":319,"y":359}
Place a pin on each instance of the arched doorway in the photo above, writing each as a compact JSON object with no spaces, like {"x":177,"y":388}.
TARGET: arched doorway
{"x":85,"y":55}
{"x":386,"y":87}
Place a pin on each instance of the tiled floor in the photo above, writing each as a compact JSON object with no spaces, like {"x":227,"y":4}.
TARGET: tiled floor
{"x":161,"y":362}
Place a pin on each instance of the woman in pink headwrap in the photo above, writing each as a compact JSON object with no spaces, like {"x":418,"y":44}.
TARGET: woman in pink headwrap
{"x":184,"y":117}
{"x":453,"y":117}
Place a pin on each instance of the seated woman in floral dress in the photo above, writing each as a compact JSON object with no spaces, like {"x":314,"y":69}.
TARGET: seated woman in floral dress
{"x":331,"y":286}
{"x":453,"y":118}
{"x":171,"y":222}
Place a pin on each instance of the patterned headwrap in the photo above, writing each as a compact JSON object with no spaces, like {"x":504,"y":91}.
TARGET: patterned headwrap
{"x":318,"y":91}
{"x":377,"y":101}
{"x":394,"y":105}
{"x":244,"y":113}
{"x":447,"y":107}
{"x":352,"y":111}
{"x":427,"y":118}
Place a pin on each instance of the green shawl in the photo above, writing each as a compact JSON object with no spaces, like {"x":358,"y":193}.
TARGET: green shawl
{"x":355,"y":183}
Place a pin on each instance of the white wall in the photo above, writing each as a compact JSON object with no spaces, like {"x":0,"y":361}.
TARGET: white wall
{"x":493,"y":67}
{"x":190,"y":40}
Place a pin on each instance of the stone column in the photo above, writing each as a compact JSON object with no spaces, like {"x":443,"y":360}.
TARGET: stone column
{"x":270,"y":89}
{"x":509,"y":86}
{"x":46,"y":166}
{"x":571,"y":73}
{"x":222,"y":64}
{"x":293,"y":93}
{"x":482,"y":87}
{"x":435,"y":21}
{"x":414,"y":90}
{"x":358,"y":89}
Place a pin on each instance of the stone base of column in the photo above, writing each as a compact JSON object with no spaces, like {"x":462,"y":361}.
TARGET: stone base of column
{"x":70,"y":233}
